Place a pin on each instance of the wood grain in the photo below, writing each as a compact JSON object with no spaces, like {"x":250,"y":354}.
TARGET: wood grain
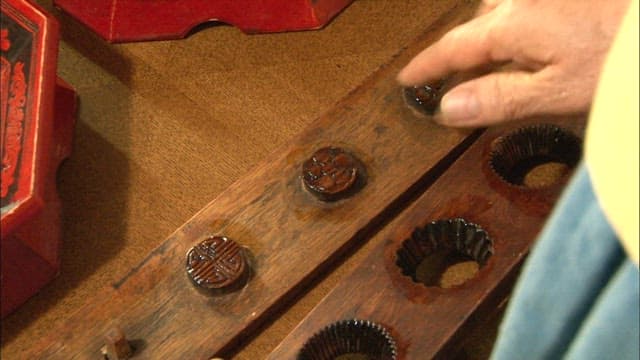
{"x":430,"y":322}
{"x":292,"y":236}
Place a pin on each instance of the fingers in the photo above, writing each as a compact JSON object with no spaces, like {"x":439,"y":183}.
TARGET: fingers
{"x":496,"y":98}
{"x":487,"y":5}
{"x":465,"y":47}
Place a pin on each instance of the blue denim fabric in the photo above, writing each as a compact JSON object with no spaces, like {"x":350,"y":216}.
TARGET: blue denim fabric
{"x":577,"y":296}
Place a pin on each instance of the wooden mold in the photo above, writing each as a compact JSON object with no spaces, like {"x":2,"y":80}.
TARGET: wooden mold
{"x":292,"y":236}
{"x":429,"y":321}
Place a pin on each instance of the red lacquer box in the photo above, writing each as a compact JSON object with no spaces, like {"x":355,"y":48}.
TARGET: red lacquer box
{"x":37,"y":113}
{"x":137,"y":20}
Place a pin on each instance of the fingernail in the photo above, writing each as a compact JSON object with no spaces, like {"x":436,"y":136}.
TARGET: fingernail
{"x":459,"y":106}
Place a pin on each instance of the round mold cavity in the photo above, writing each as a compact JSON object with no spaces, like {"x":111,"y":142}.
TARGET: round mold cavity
{"x":350,"y":340}
{"x":536,"y":156}
{"x":444,"y":253}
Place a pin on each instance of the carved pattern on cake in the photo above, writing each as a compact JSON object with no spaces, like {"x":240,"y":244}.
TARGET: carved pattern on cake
{"x":215,"y":263}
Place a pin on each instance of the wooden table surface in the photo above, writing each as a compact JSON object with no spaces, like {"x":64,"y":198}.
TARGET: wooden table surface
{"x":165,"y":127}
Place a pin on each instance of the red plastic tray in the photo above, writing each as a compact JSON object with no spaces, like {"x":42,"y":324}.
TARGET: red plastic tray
{"x":37,"y":119}
{"x":137,"y":20}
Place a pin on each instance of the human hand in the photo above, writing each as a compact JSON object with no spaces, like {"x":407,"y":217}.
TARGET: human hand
{"x":555,"y":50}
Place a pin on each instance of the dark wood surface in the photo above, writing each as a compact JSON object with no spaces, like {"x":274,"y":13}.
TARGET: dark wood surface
{"x":292,"y":237}
{"x":431,"y":322}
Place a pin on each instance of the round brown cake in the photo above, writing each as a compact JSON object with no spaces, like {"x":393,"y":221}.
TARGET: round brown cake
{"x":330,"y":173}
{"x":216,"y":263}
{"x":425,"y":98}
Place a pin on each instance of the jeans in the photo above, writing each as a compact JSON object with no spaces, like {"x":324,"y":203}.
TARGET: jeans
{"x":577,"y":296}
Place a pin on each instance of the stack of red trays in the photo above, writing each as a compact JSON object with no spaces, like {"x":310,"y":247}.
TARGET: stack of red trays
{"x":37,"y":119}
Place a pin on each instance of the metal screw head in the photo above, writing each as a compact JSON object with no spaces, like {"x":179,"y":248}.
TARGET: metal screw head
{"x":330,"y":173}
{"x":217,"y":263}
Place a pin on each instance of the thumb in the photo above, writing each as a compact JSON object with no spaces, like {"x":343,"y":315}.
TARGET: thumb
{"x":487,"y":5}
{"x":494,"y":98}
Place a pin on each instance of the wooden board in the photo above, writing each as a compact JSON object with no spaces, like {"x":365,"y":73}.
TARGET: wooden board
{"x":292,"y":236}
{"x":429,"y":322}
